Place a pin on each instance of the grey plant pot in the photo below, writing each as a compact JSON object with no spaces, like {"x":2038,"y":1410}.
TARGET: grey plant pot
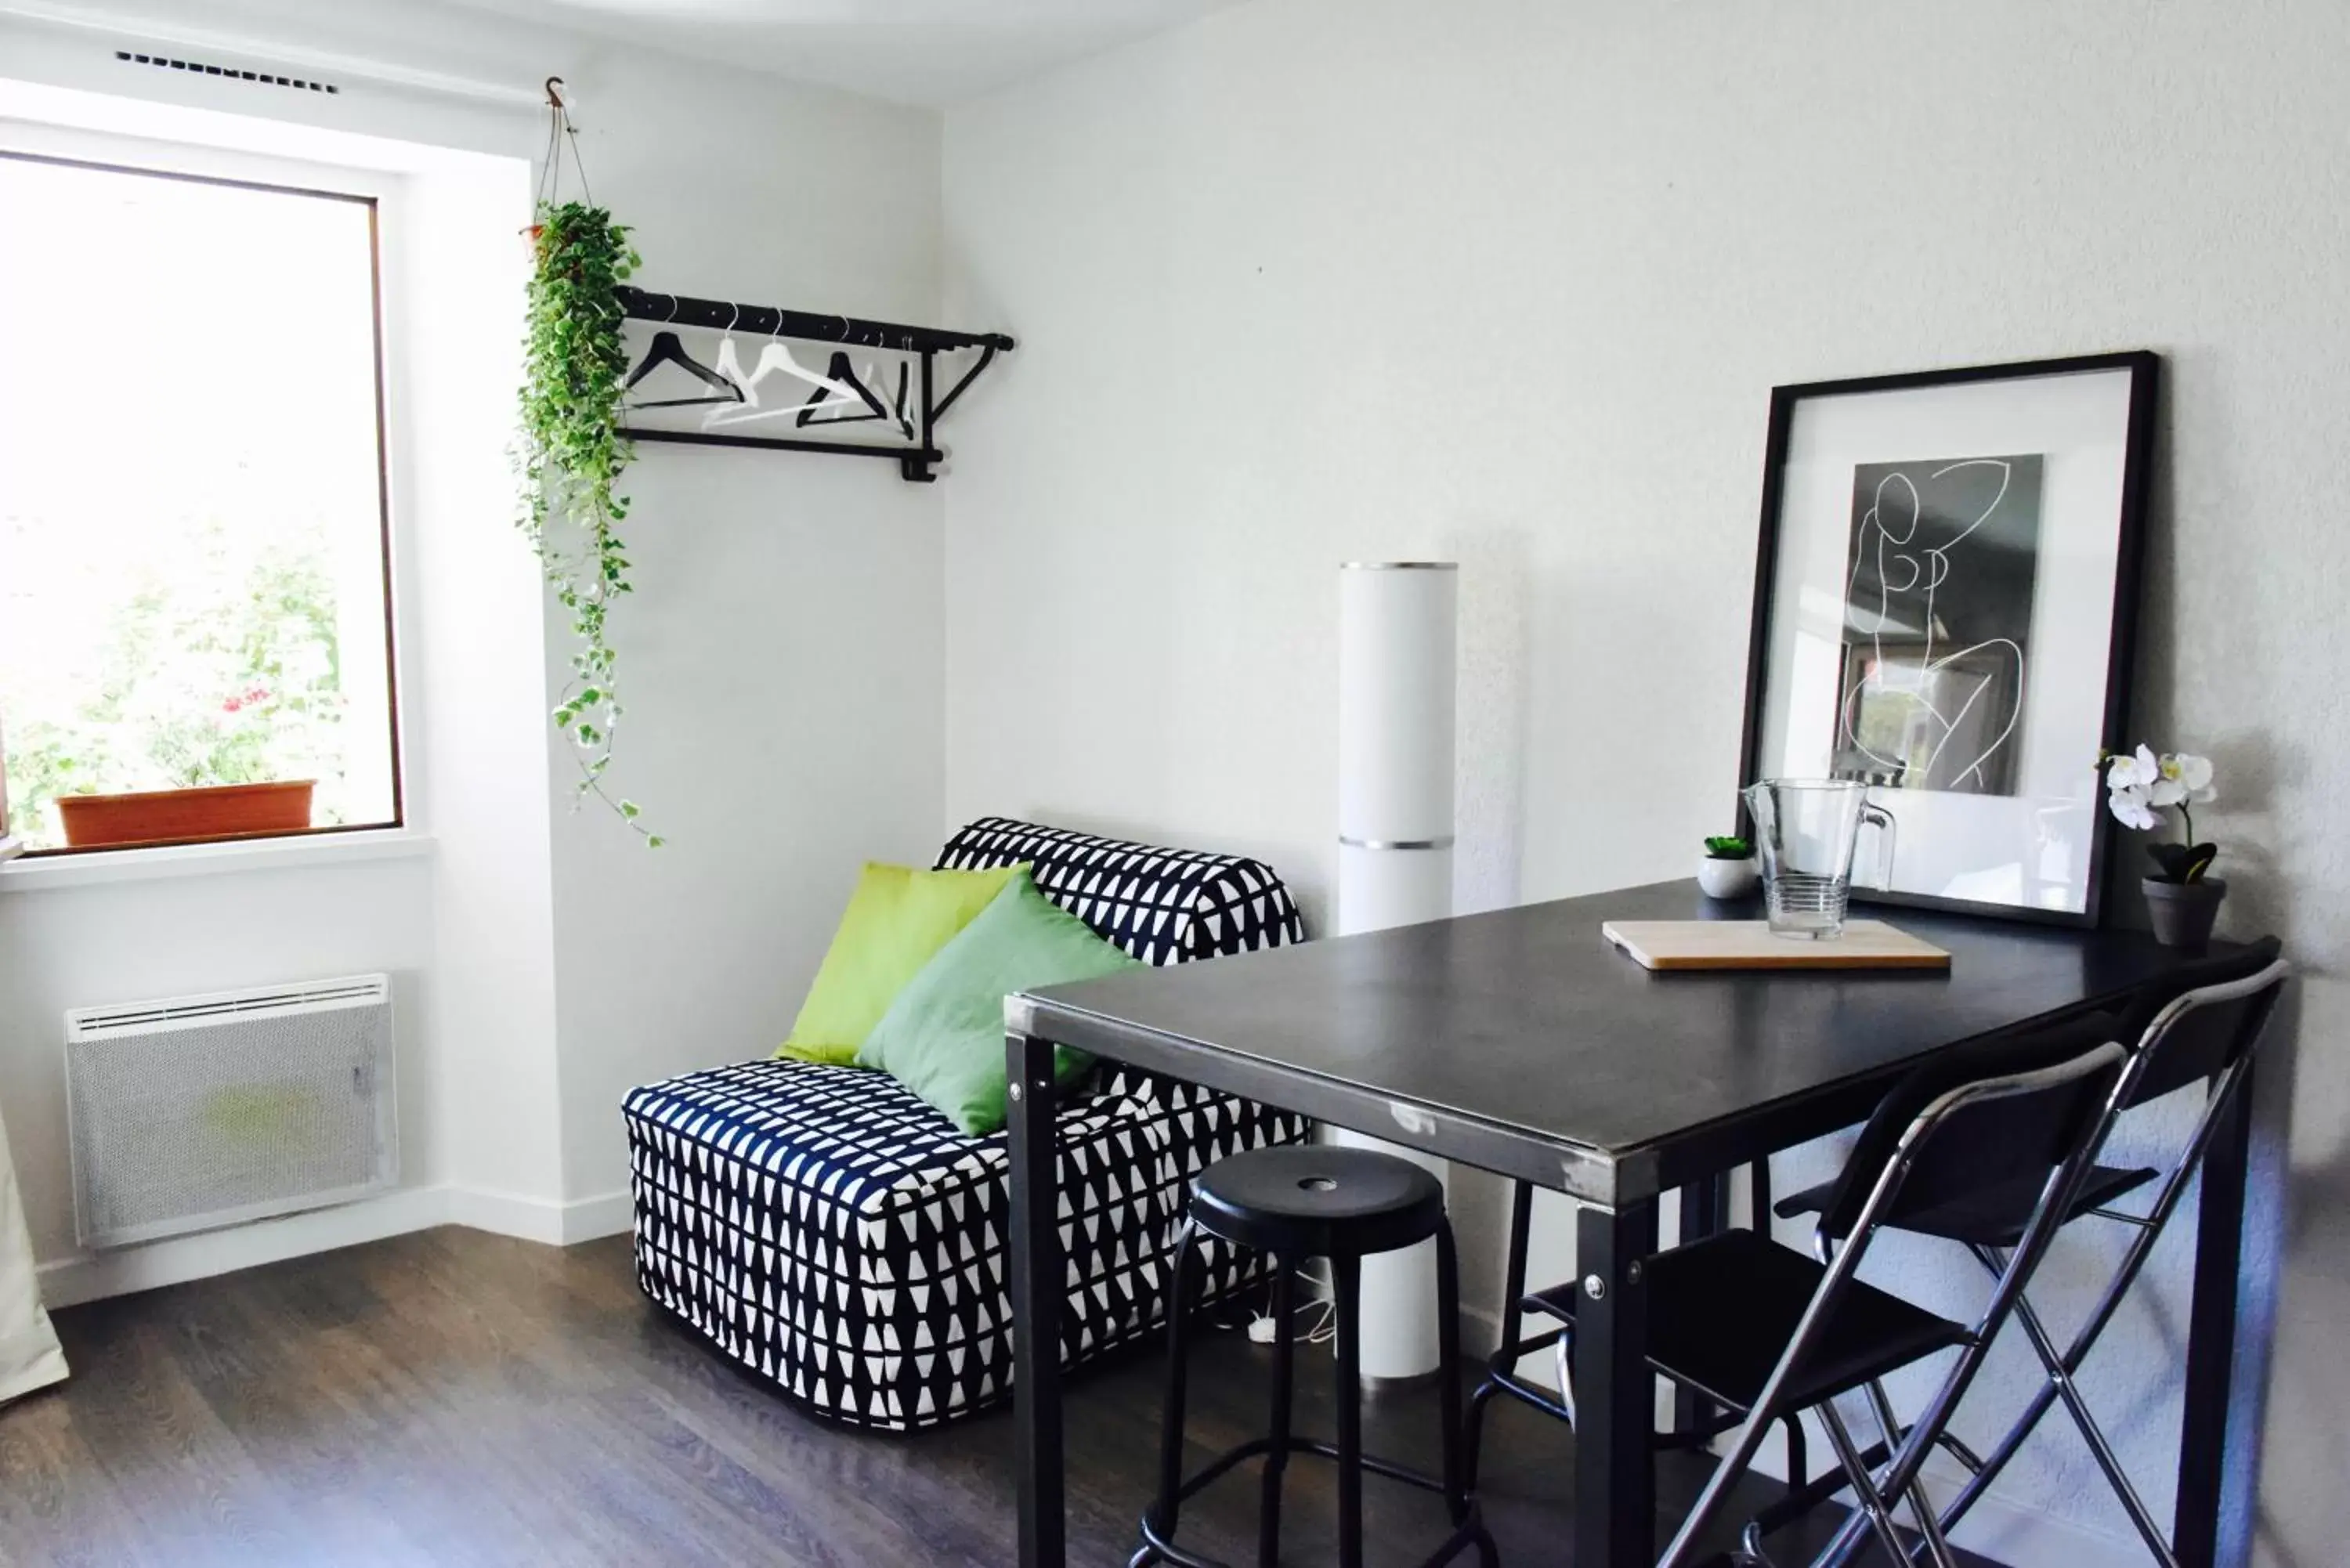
{"x":2183,"y":911}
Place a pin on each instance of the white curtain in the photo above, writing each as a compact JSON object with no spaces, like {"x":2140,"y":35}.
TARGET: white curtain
{"x":29,"y":1356}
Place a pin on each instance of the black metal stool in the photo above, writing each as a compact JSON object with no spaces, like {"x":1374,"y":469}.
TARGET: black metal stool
{"x":1299,"y":1201}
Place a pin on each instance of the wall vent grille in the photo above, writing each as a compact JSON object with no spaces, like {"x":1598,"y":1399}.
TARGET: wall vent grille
{"x":229,"y":73}
{"x":147,"y":1017}
{"x":195,"y":1112}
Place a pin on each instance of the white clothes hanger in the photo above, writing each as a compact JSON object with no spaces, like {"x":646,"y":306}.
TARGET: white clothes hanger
{"x":774,"y":356}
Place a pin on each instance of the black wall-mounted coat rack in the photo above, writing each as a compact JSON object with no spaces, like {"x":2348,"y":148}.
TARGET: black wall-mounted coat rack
{"x":914,"y":463}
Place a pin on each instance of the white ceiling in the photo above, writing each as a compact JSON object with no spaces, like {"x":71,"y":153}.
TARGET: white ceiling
{"x":912,"y":51}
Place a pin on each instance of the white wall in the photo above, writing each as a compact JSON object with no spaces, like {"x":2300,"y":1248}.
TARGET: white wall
{"x":783,"y":654}
{"x":89,"y":931}
{"x":89,"y":946}
{"x":477,"y":737}
{"x":781,"y":658}
{"x":1322,"y":279}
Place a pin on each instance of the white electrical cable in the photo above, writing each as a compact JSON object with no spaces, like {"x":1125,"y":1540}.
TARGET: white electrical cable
{"x":1262,"y":1329}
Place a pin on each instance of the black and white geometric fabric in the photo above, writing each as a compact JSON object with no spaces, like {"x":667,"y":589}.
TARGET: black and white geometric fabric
{"x":826,"y":1229}
{"x":1162,"y":906}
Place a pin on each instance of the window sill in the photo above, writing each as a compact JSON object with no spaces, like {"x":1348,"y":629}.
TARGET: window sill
{"x":45,"y":872}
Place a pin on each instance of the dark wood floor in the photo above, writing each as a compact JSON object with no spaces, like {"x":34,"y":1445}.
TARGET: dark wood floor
{"x":452,"y":1397}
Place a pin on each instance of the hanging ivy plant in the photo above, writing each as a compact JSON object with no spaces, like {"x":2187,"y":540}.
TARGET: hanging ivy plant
{"x":570,"y":454}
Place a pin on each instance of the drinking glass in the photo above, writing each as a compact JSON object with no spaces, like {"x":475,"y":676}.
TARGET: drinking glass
{"x":1807,"y":830}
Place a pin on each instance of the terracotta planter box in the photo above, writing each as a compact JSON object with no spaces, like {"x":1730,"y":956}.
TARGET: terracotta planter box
{"x":176,"y":815}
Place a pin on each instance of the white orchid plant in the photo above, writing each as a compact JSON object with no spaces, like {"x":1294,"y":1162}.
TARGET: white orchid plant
{"x":2139,"y":786}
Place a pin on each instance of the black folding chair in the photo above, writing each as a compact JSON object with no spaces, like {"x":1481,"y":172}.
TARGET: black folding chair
{"x":1768,"y":1333}
{"x":2202,"y":1024}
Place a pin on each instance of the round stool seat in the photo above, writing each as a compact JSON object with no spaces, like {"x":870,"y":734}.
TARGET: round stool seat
{"x":1309,"y":1200}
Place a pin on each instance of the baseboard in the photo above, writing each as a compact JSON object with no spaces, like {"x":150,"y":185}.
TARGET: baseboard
{"x":538,"y":1219}
{"x":1997,"y":1527}
{"x":89,"y":1276}
{"x":1481,"y":1331}
{"x":2021,"y":1537}
{"x":593,"y":1219}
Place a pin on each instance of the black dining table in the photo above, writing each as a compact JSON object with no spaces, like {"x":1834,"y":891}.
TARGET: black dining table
{"x":1521,"y":1042}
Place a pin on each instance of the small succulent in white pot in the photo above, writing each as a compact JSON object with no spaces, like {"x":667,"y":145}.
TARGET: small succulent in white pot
{"x":1727,"y":868}
{"x":2182,"y":897}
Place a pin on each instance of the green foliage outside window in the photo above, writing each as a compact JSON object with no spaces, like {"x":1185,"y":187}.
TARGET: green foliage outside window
{"x":232,"y":678}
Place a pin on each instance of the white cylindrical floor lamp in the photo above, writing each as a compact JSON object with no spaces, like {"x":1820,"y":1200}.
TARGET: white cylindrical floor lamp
{"x":1395,"y":680}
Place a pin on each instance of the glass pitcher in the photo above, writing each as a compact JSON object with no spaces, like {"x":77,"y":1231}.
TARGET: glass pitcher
{"x":1807,"y":830}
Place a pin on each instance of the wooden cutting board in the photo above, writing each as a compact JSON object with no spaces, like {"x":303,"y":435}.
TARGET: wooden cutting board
{"x":1749,"y":944}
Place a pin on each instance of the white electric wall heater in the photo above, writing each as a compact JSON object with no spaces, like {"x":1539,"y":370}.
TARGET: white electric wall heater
{"x":203,"y":1111}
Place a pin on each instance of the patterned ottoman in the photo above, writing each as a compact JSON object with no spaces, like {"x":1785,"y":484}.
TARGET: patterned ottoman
{"x":826,"y":1229}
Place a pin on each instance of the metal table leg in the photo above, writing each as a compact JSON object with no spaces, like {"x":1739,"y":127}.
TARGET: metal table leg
{"x":2211,"y":1336}
{"x":1615,"y":1498}
{"x":1036,"y":1286}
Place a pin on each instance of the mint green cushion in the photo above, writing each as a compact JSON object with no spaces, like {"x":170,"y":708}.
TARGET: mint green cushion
{"x":943,"y":1035}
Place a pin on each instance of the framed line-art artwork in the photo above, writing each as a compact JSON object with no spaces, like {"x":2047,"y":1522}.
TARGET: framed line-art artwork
{"x":1944,"y":603}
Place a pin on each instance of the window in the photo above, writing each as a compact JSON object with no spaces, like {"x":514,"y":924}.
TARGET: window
{"x":194,"y":537}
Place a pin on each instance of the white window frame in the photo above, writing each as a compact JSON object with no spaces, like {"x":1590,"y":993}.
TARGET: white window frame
{"x":383,"y":192}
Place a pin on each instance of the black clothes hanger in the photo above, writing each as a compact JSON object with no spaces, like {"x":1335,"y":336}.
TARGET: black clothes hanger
{"x":668,"y":350}
{"x":897,"y":404}
{"x":840,"y":371}
{"x":897,"y":412}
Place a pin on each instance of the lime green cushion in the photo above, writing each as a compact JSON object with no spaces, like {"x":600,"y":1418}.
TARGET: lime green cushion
{"x":943,"y":1037}
{"x":896,"y":921}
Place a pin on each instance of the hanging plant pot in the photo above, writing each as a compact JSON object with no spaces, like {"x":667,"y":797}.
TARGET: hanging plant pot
{"x":178,"y":816}
{"x":570,"y":452}
{"x":2183,"y":912}
{"x":571,"y":446}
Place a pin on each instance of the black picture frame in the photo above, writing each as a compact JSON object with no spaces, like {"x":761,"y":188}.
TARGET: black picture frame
{"x":2143,"y":368}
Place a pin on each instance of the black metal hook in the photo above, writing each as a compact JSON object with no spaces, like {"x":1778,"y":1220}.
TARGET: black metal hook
{"x":555,"y":100}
